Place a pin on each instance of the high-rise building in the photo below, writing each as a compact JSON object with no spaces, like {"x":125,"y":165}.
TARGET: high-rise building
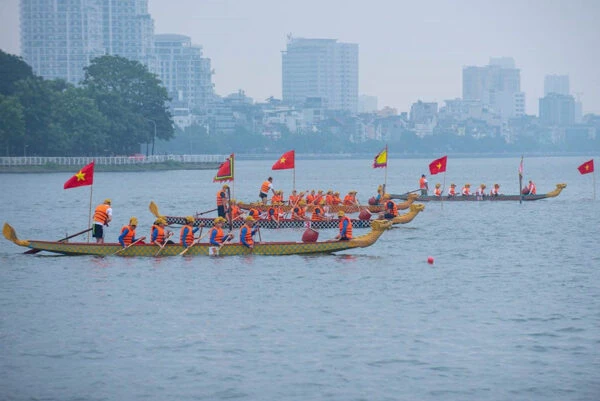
{"x":321,"y":68}
{"x":60,"y":37}
{"x":184,"y":72}
{"x":557,"y":109}
{"x":497,"y":86}
{"x":556,"y":84}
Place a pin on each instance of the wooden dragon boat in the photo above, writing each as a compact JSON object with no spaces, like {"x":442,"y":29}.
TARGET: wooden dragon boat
{"x":289,"y":223}
{"x":205,"y":249}
{"x":470,"y":198}
{"x":333,"y":208}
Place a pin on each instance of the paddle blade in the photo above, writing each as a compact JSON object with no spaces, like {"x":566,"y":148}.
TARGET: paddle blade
{"x":154,"y":209}
{"x":9,"y":233}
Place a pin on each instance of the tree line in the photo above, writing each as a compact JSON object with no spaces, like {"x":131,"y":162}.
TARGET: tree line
{"x":113,"y":111}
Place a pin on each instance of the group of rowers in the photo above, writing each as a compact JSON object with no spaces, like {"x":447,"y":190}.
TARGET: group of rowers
{"x":480,"y":192}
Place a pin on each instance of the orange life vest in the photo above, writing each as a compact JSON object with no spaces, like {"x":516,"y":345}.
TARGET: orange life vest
{"x":391,"y":208}
{"x":452,"y":191}
{"x":310,"y":198}
{"x":422,"y":183}
{"x":127,"y":239}
{"x":317,"y":214}
{"x":221,"y":198}
{"x":336,"y":200}
{"x":437,"y":192}
{"x":298,"y":213}
{"x":276,"y":198}
{"x":349,"y":200}
{"x":265,"y":187}
{"x":190,"y":235}
{"x":294,"y":199}
{"x":100,"y":214}
{"x":248,"y":236}
{"x":466,"y":191}
{"x":235,"y":211}
{"x":254,"y":213}
{"x":348,"y":229}
{"x":160,"y":236}
{"x":218,"y":235}
{"x":329,"y":199}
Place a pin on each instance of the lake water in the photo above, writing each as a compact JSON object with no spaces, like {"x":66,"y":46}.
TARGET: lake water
{"x":510,"y":310}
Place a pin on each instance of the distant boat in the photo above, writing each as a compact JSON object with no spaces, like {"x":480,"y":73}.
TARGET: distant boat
{"x":475,"y":198}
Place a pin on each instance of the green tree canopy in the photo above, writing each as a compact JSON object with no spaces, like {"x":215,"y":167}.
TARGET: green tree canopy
{"x":132,"y":99}
{"x":12,"y":70}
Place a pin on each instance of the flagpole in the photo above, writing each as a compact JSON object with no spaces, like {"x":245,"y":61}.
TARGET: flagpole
{"x":90,"y":212}
{"x":294,"y":174}
{"x":594,"y":181}
{"x":443,"y":189}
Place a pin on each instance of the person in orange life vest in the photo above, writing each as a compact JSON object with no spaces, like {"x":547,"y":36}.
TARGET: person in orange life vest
{"x":438,"y":190}
{"x":466,"y":190}
{"x":480,"y":192}
{"x":247,"y":231}
{"x":216,"y":235}
{"x":329,"y":198}
{"x":158,"y":235}
{"x":127,"y":236}
{"x":318,"y":213}
{"x":350,"y":199}
{"x":530,"y":189}
{"x":336,"y":198}
{"x":423,"y":185}
{"x":222,"y":201}
{"x":254,"y":213}
{"x":295,"y":198}
{"x":495,"y":191}
{"x":102,"y":216}
{"x":277,"y":198}
{"x":299,"y":211}
{"x":452,"y":190}
{"x":274,"y":212}
{"x":345,"y":227}
{"x":264,"y":190}
{"x":318,"y":197}
{"x":310,"y":197}
{"x":391,"y":209}
{"x":235,"y":210}
{"x":186,"y":235}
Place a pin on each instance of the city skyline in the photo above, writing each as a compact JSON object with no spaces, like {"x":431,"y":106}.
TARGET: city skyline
{"x":407,"y":52}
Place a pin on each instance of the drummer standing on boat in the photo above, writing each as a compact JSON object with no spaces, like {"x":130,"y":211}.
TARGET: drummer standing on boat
{"x":423,"y":185}
{"x":222,"y":201}
{"x":264,"y":190}
{"x":102,"y":216}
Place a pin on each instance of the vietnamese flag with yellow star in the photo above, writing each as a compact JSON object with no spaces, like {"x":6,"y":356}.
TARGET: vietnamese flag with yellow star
{"x":286,"y":161}
{"x":587,"y":167}
{"x":438,"y":165}
{"x":83,"y":177}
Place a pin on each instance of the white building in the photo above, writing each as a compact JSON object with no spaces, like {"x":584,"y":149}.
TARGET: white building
{"x":60,"y":37}
{"x":497,"y":86}
{"x":184,"y":72}
{"x":321,"y":68}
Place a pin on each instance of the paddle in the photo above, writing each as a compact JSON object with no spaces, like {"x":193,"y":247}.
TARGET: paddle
{"x":130,"y":245}
{"x":32,"y":251}
{"x":154,"y":209}
{"x":164,"y":243}
{"x":208,"y":211}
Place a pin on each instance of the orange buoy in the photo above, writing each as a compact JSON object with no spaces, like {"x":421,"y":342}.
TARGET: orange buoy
{"x":310,"y":235}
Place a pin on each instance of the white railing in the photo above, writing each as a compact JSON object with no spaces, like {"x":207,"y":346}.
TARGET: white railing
{"x":115,"y":160}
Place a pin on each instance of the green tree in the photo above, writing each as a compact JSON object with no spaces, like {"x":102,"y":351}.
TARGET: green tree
{"x":132,"y":99}
{"x":12,"y":70}
{"x":12,"y":124}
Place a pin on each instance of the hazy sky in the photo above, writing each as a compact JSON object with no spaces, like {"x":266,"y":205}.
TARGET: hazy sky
{"x":408,"y":50}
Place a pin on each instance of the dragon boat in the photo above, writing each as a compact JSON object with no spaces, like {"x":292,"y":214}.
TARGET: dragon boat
{"x":333,"y":208}
{"x":474,"y":198}
{"x":205,"y":249}
{"x":407,"y":217}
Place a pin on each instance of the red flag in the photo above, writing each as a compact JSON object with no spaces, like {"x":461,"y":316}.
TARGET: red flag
{"x":438,"y":165}
{"x":85,"y":176}
{"x":587,"y":167}
{"x":225,"y":172}
{"x":285,"y":161}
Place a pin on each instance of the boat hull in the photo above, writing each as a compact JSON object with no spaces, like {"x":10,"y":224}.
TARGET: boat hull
{"x":202,"y":249}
